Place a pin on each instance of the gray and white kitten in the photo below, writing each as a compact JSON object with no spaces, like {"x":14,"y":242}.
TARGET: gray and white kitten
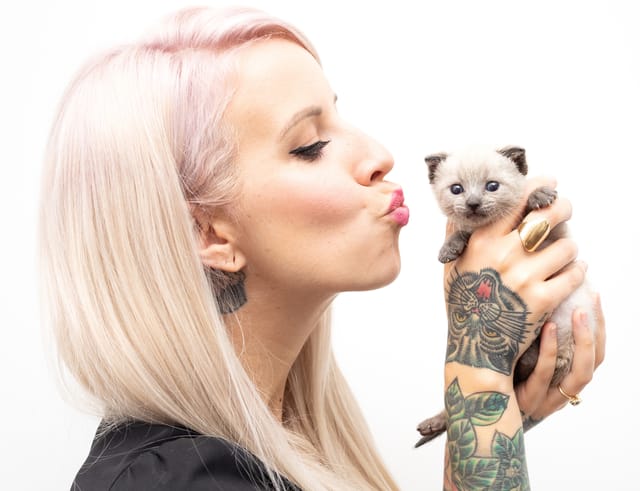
{"x":477,"y":186}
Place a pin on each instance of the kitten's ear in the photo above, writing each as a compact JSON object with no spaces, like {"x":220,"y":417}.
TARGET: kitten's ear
{"x":517,"y":155}
{"x":433,"y":161}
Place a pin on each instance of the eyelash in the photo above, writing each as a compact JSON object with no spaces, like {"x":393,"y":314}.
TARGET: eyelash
{"x":310,"y":152}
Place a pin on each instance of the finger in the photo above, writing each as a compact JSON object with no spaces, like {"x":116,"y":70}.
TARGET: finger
{"x":601,"y":334}
{"x":556,"y":257}
{"x":559,"y":287}
{"x":532,"y":392}
{"x":510,"y":222}
{"x":584,"y":356}
{"x":531,"y":184}
{"x":450,"y":229}
{"x":536,"y":182}
{"x":559,"y":211}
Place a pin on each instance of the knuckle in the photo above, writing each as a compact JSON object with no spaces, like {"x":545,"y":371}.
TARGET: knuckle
{"x":569,"y":248}
{"x":564,"y":209}
{"x":600,"y":357}
{"x":519,"y":278}
{"x":576,"y":277}
{"x":585,"y":377}
{"x":544,"y":297}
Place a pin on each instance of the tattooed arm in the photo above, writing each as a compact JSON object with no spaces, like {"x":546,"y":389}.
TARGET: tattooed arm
{"x":488,"y":328}
{"x":497,"y":296}
{"x":485,"y":443}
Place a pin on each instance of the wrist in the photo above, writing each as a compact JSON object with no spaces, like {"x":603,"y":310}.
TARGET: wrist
{"x":474,"y":379}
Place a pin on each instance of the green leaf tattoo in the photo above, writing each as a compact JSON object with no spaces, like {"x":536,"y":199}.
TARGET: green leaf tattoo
{"x":485,"y":408}
{"x":512,"y":469}
{"x":506,"y":468}
{"x":487,"y":321}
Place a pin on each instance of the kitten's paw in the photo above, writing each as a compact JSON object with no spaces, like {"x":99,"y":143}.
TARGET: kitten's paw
{"x":447,"y":255}
{"x":453,"y":247}
{"x":431,"y":428}
{"x":563,"y":367}
{"x":541,"y":198}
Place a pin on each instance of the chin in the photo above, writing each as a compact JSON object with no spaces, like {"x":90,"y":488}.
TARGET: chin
{"x":476,"y":221}
{"x":378,"y":277}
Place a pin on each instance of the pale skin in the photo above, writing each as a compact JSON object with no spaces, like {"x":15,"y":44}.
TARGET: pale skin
{"x":312,"y":221}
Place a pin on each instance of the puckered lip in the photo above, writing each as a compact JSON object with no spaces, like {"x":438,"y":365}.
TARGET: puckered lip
{"x":397,"y":200}
{"x":397,"y":210}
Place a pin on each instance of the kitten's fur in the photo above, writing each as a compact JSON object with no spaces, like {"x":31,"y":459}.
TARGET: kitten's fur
{"x":477,"y":186}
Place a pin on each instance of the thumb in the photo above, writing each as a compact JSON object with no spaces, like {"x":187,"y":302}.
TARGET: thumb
{"x":450,"y":229}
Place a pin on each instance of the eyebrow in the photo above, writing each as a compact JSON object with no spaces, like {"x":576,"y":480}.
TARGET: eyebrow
{"x":307,"y":112}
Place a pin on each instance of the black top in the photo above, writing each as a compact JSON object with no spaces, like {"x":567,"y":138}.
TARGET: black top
{"x":139,"y":456}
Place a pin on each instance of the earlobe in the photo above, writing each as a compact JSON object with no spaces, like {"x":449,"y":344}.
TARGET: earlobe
{"x":218,"y":249}
{"x":222,"y":255}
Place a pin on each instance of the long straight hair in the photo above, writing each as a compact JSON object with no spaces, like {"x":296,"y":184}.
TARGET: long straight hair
{"x":138,"y":141}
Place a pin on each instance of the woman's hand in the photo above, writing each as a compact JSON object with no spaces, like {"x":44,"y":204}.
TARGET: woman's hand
{"x":498,"y":298}
{"x":502,"y":294}
{"x":536,"y":398}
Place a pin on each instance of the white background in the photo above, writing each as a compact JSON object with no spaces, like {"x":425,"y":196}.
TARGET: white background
{"x":561,"y":79}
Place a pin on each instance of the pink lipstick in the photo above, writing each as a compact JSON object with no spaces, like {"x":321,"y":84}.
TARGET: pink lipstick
{"x":397,"y":209}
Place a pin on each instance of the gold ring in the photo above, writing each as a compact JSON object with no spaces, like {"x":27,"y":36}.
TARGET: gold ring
{"x":573,"y":400}
{"x":533,"y":232}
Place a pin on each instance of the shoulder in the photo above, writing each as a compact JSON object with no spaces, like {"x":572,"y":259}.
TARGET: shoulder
{"x":141,"y":456}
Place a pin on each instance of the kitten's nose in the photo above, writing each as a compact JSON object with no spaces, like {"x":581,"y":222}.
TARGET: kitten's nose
{"x":473,"y":205}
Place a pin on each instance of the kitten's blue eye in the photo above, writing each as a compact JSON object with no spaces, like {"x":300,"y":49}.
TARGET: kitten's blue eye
{"x":456,"y":189}
{"x":492,"y":186}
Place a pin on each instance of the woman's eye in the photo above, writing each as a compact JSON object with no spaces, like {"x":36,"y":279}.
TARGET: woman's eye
{"x":310,"y":152}
{"x":492,"y":186}
{"x":457,"y":189}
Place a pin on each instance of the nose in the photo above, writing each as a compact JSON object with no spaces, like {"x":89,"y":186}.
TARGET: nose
{"x":473,"y":204}
{"x":375,"y":162}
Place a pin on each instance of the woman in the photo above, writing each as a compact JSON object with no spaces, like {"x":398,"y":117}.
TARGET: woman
{"x":203,"y":203}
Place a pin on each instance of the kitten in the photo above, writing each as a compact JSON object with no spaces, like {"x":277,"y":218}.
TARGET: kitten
{"x":477,"y":186}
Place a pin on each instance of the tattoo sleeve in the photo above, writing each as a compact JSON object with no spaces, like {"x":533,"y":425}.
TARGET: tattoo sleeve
{"x":505,"y":468}
{"x":489,"y":325}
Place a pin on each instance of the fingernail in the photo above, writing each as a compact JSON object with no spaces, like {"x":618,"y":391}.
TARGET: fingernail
{"x":550,"y":330}
{"x":583,"y":319}
{"x":584,"y":265}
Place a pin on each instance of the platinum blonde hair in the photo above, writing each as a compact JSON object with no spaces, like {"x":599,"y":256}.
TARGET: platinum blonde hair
{"x":138,"y":141}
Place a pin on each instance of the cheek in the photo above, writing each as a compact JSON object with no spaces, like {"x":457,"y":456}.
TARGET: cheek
{"x":323,"y":206}
{"x":304,"y":202}
{"x":505,"y":199}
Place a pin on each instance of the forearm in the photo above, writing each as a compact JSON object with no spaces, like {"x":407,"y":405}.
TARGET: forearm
{"x":485,"y":446}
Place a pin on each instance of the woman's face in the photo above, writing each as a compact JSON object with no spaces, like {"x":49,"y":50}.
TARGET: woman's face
{"x":315,"y":212}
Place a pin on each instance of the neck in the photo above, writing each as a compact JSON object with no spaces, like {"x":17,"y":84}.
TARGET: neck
{"x":268,"y":333}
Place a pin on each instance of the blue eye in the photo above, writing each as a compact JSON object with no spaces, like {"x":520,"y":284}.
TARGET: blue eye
{"x":456,"y":189}
{"x":492,"y":186}
{"x":310,"y":152}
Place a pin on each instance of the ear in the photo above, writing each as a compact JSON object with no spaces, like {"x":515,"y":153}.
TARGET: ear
{"x":218,"y":245}
{"x":433,"y":161}
{"x":517,"y":155}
